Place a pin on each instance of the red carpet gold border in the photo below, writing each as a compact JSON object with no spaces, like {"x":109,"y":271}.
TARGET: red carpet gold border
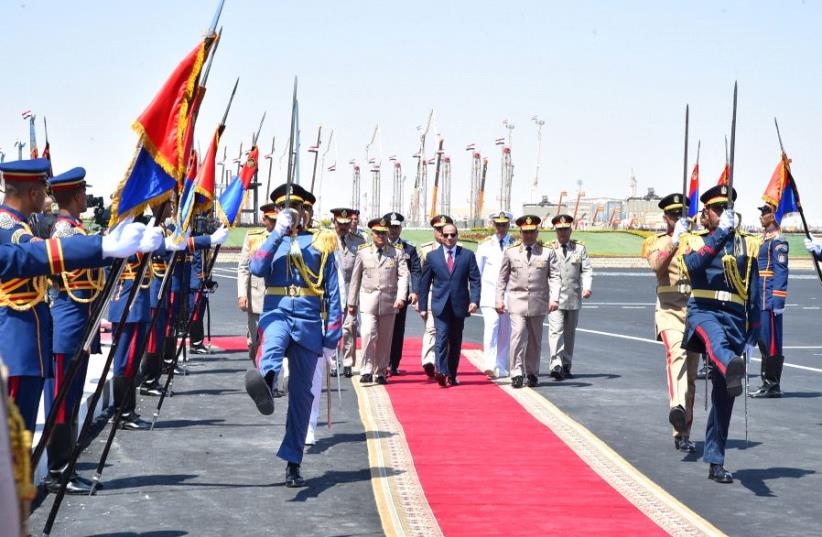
{"x":665,"y":510}
{"x":401,"y":502}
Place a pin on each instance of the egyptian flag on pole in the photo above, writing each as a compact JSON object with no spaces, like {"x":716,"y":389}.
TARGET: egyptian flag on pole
{"x":693,"y":192}
{"x":200,"y":196}
{"x":160,"y":162}
{"x":780,"y":191}
{"x":723,"y":179}
{"x":233,"y":197}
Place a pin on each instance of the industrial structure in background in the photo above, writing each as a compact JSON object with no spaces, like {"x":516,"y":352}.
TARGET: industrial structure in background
{"x":445,"y":181}
{"x":355,"y":183}
{"x":397,"y":199}
{"x":475,"y":218}
{"x":506,"y":169}
{"x":374,"y":166}
{"x":418,"y":209}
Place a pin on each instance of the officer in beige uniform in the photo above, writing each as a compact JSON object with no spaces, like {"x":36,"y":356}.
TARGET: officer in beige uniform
{"x":430,"y":335}
{"x":250,"y":288}
{"x":530,"y":277}
{"x":672,"y":292}
{"x":576,"y":274}
{"x":347,"y":245}
{"x":378,"y":289}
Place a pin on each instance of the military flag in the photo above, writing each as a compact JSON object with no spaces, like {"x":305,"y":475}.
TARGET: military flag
{"x":781,"y":191}
{"x":723,"y":179}
{"x":199,"y":197}
{"x":160,"y":162}
{"x":233,"y":197}
{"x":693,"y":192}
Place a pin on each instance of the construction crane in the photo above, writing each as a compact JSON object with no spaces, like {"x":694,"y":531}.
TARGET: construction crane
{"x":562,"y":195}
{"x":331,"y":168}
{"x":576,"y":208}
{"x":396,"y":195}
{"x":355,"y":184}
{"x":473,"y":195}
{"x":374,"y":164}
{"x":507,"y":176}
{"x":535,"y":187}
{"x":418,"y":208}
{"x":445,"y":204}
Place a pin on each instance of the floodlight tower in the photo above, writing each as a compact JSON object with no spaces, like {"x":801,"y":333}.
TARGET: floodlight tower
{"x":535,"y":187}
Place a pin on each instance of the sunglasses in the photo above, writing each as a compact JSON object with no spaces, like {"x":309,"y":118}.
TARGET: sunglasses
{"x":449,"y":235}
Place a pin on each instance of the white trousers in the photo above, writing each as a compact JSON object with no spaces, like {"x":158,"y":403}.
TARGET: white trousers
{"x":496,"y":340}
{"x":429,"y":339}
{"x":316,"y":391}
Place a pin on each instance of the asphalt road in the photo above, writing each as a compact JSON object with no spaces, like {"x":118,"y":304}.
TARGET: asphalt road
{"x":210,"y":467}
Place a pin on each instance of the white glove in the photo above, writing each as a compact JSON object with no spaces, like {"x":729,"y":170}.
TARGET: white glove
{"x":123,"y":240}
{"x":726,"y":221}
{"x":152,"y":238}
{"x":219,"y":236}
{"x":813,"y":246}
{"x":680,"y":228}
{"x":330,"y":356}
{"x":284,"y":221}
{"x":173,"y":246}
{"x":779,"y":311}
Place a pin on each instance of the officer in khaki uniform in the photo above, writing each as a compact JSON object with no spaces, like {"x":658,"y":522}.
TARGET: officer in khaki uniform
{"x":530,"y":276}
{"x":576,"y":274}
{"x":250,"y":288}
{"x":672,"y":292}
{"x":378,"y":289}
{"x":347,"y":245}
{"x":430,"y":335}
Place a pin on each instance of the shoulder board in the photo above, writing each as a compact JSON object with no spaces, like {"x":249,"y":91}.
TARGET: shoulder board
{"x":256,"y":232}
{"x":6,"y":220}
{"x":514,"y":245}
{"x":324,"y":240}
{"x":426,"y":245}
{"x":700,"y":233}
{"x":363,"y":245}
{"x":581,"y":243}
{"x":781,"y":246}
{"x":659,"y":235}
{"x":647,"y":244}
{"x":487,"y":239}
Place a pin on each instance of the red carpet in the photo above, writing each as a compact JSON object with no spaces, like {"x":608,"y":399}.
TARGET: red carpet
{"x":489,"y":468}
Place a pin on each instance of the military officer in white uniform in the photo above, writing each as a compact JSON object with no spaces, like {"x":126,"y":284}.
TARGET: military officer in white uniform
{"x":250,"y":288}
{"x":577,"y":274}
{"x":497,"y":334}
{"x":378,"y":289}
{"x":529,"y":277}
{"x":347,"y":245}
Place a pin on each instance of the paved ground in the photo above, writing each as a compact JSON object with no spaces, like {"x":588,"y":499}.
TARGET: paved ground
{"x":209,"y":469}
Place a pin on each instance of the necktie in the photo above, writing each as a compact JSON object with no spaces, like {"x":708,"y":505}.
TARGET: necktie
{"x":379,"y":254}
{"x":564,"y":250}
{"x":501,"y":244}
{"x":342,"y":241}
{"x":450,"y":261}
{"x":528,"y":253}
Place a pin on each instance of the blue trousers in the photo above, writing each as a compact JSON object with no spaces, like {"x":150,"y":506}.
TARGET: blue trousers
{"x":61,"y":443}
{"x":719,"y":420}
{"x":449,"y":341}
{"x":275,"y":344}
{"x":25,"y":392}
{"x":770,"y":334}
{"x":126,"y":360}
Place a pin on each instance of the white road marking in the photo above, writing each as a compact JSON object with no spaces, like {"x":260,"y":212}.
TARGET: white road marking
{"x":647,"y":340}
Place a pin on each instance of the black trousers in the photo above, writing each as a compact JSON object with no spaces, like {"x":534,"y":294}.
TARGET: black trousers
{"x":449,"y":341}
{"x":399,"y":336}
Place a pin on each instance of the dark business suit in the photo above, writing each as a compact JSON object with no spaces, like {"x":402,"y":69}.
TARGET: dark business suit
{"x":412,"y":259}
{"x":452,"y":292}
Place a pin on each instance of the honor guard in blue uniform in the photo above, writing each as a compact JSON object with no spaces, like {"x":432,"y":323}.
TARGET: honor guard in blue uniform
{"x":35,"y":258}
{"x":773,"y":274}
{"x":723,"y":312}
{"x":25,"y":321}
{"x":301,"y":297}
{"x":70,"y":313}
{"x":412,"y":260}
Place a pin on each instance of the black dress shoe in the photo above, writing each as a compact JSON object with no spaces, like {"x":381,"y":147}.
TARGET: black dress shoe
{"x":74,"y":487}
{"x":348,"y":372}
{"x":429,"y":370}
{"x":452,"y":381}
{"x":533,"y":381}
{"x":276,"y":394}
{"x":87,"y":482}
{"x":382,"y":380}
{"x":133,"y":422}
{"x":557,"y":372}
{"x":566,"y":372}
{"x":199,"y":348}
{"x":516,"y":382}
{"x":684,"y":444}
{"x":719,"y":474}
{"x":769,"y":390}
{"x":333,"y":372}
{"x":366,"y":378}
{"x":678,"y":419}
{"x":293,"y":479}
{"x":441,"y":379}
{"x":260,"y":392}
{"x":154,"y":389}
{"x":734,"y":375}
{"x":394,"y":371}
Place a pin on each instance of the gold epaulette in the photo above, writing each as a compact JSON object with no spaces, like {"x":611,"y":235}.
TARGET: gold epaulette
{"x":516,"y":244}
{"x":647,"y":244}
{"x":325,"y":241}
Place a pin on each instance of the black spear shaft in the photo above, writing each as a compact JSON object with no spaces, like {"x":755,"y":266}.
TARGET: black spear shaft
{"x":95,"y":398}
{"x":189,"y":321}
{"x":164,"y":287}
{"x":731,"y":160}
{"x":77,"y":359}
{"x":685,"y":160}
{"x":316,"y":157}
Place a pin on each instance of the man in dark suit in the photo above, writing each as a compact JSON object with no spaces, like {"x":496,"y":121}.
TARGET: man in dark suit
{"x":412,"y":259}
{"x":453,"y":274}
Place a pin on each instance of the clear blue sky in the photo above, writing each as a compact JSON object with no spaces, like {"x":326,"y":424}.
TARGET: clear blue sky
{"x":611,"y":79}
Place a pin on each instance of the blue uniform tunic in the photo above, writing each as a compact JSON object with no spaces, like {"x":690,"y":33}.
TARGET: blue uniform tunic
{"x":292,"y":323}
{"x":720,"y":320}
{"x":773,"y":273}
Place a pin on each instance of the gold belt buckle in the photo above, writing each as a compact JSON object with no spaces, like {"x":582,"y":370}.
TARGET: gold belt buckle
{"x":293,"y":291}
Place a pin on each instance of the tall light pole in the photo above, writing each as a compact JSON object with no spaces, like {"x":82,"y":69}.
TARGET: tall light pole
{"x":539,"y":123}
